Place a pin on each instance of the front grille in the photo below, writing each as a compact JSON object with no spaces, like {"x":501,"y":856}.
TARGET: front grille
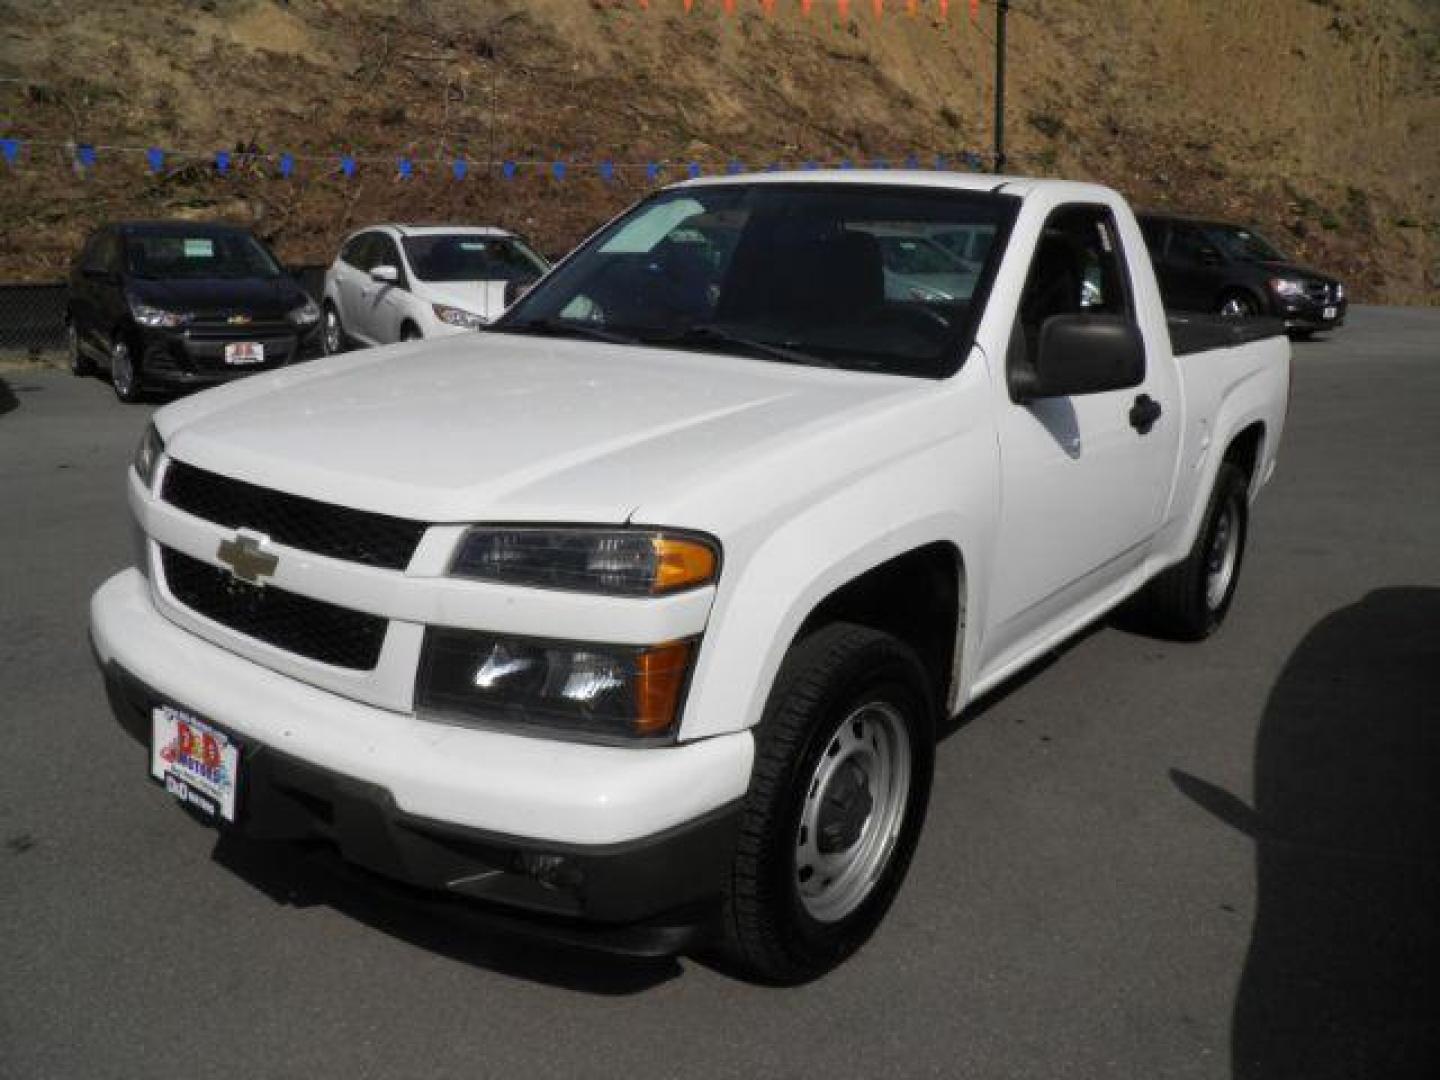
{"x":1318,"y":292}
{"x":337,"y":531}
{"x":297,"y":624}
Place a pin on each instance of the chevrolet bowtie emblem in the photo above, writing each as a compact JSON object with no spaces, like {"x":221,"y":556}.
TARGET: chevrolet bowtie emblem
{"x":239,"y":320}
{"x":246,"y":557}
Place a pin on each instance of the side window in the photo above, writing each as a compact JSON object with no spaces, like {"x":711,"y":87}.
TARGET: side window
{"x":1188,"y":246}
{"x":1077,"y":268}
{"x":355,"y":251}
{"x":387,"y":253}
{"x":1154,"y":233}
{"x":110,"y":254}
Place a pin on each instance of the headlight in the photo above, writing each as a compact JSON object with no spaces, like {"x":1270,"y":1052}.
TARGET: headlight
{"x":146,"y":315}
{"x":605,"y":693}
{"x":147,"y":455}
{"x":1339,"y":290}
{"x":305,"y":314}
{"x":1287,"y":286}
{"x":454,"y":316}
{"x":619,"y":562}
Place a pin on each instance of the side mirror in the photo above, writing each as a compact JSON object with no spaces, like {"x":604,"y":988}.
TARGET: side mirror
{"x":386,"y":275}
{"x":1080,"y":354}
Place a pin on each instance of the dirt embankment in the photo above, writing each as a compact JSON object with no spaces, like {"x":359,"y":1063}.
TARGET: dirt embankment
{"x":1318,"y":120}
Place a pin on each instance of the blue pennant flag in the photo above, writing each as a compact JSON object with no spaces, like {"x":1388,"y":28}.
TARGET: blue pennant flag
{"x":287,"y":165}
{"x":507,"y":170}
{"x":774,"y":166}
{"x":222,"y":161}
{"x":694,"y":170}
{"x":11,"y":149}
{"x":912,"y":162}
{"x":810,"y":166}
{"x":607,"y":171}
{"x":880,"y":163}
{"x":846,"y":163}
{"x":735,"y":167}
{"x":940,"y":161}
{"x":652,"y":172}
{"x":155,"y":158}
{"x":405,"y":168}
{"x":459,"y":168}
{"x":347,"y":165}
{"x":973,"y":161}
{"x":558,"y":169}
{"x":85,"y":154}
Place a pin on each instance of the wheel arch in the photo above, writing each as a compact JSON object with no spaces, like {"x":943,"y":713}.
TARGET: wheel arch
{"x":1246,"y":450}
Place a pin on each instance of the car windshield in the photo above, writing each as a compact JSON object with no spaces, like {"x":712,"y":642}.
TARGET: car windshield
{"x":1243,"y":245}
{"x":839,"y":275}
{"x":471,"y":257}
{"x":198,"y":254}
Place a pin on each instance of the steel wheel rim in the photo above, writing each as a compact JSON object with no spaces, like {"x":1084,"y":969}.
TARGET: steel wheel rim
{"x":1221,"y":556}
{"x":864,"y":772}
{"x":122,"y":371}
{"x":1235,"y":308}
{"x":332,"y":331}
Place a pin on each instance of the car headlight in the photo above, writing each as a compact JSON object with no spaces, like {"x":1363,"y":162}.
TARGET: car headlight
{"x":1339,"y":290}
{"x":454,"y":316}
{"x":617,"y":562}
{"x":1287,"y":286}
{"x":600,"y":693}
{"x":148,"y":315}
{"x":147,"y":455}
{"x":306,"y":314}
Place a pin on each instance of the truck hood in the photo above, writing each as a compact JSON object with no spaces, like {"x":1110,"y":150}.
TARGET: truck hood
{"x":506,"y":427}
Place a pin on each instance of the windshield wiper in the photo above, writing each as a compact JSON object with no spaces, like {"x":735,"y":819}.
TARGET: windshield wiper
{"x":566,"y":328}
{"x":710,"y":334}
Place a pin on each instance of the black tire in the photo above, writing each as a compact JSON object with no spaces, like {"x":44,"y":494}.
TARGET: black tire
{"x":80,"y":364}
{"x":1238,"y":304}
{"x":332,"y":330}
{"x":1185,"y":602}
{"x":126,"y":377}
{"x":835,"y":684}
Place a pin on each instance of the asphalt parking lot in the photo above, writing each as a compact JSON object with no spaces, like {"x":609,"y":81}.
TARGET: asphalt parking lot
{"x":1144,"y":860}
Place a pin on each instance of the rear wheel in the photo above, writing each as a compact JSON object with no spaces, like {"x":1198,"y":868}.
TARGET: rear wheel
{"x":80,"y":364}
{"x":124,"y":372}
{"x":841,"y":782}
{"x":1189,"y":601}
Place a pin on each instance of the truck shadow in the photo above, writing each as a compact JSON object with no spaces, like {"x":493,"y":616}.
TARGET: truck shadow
{"x":308,"y":875}
{"x":1342,"y":978}
{"x":8,"y":400}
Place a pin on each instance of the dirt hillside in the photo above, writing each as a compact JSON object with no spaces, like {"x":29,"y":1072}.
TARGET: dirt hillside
{"x":1318,"y":120}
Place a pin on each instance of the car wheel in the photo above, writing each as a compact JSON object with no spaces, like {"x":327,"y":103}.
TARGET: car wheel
{"x":410,"y":332}
{"x":124,"y":373}
{"x":1238,"y":305}
{"x":80,"y":364}
{"x":843,"y":763}
{"x":1189,"y":601}
{"x":333,"y":331}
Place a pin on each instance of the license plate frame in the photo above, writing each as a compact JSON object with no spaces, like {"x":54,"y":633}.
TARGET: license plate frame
{"x":196,"y":762}
{"x":1329,"y":313}
{"x":245,"y":353}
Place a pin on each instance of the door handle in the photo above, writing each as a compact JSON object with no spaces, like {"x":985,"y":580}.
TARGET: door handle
{"x":1144,"y":413}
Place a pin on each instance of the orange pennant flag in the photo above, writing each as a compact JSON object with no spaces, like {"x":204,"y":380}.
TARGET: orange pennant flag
{"x":879,"y":9}
{"x":844,"y":6}
{"x":974,"y":10}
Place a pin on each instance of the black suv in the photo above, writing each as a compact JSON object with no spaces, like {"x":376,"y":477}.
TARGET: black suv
{"x":172,"y":304}
{"x":1232,"y":270}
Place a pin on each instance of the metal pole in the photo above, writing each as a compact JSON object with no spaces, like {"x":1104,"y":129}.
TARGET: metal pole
{"x":1002,"y":8}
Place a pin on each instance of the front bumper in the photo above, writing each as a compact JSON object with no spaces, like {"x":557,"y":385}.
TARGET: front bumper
{"x":195,"y":357}
{"x":1310,"y":315}
{"x":411,"y":798}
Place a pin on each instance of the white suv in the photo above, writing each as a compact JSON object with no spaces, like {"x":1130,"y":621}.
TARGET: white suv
{"x":402,"y":282}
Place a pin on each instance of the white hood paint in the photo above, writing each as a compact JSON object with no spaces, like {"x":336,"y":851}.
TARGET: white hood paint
{"x":485,"y":298}
{"x":508,"y":427}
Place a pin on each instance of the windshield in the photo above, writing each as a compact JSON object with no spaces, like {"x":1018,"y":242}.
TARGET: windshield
{"x":468,"y":257}
{"x":1242,"y":244}
{"x":841,"y":275}
{"x":168,"y":256}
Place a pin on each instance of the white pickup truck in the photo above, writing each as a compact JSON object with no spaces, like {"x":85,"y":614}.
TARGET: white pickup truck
{"x":634,"y":618}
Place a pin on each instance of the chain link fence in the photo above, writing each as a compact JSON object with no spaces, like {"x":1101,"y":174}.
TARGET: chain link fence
{"x":32,"y":317}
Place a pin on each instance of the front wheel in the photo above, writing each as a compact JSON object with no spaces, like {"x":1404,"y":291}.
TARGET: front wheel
{"x":80,"y":364}
{"x":1189,"y":601}
{"x":844,"y":758}
{"x":1238,"y":305}
{"x":333,"y":332}
{"x":124,"y":374}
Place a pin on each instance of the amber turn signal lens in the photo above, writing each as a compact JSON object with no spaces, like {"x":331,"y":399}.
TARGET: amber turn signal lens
{"x":660,"y":679}
{"x":682,"y":563}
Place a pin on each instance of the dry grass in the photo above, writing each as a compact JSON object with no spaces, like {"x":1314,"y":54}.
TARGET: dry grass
{"x":1318,"y":119}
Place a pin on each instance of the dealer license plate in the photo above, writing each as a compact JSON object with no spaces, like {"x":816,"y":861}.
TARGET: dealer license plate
{"x":1328,"y":313}
{"x":245,"y":352}
{"x":199,"y":765}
